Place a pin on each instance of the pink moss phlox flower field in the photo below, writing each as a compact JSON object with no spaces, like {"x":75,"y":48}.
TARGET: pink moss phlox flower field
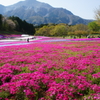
{"x":50,"y":71}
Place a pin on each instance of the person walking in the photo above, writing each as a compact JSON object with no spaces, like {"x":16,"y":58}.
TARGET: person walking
{"x":28,"y":40}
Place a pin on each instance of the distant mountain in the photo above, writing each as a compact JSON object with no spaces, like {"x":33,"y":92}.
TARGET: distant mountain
{"x":2,"y":9}
{"x":37,"y":13}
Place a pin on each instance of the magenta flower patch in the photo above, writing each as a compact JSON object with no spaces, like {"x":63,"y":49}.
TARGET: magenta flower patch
{"x":50,"y":71}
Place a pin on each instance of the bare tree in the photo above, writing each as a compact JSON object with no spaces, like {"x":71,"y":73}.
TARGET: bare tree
{"x":8,"y":24}
{"x":97,"y":15}
{"x":11,"y":24}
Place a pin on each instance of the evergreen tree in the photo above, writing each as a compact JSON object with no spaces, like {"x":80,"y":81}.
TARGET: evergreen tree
{"x":0,"y":22}
{"x":23,"y":26}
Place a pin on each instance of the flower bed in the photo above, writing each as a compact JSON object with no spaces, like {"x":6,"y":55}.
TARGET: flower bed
{"x":86,"y":39}
{"x":50,"y":71}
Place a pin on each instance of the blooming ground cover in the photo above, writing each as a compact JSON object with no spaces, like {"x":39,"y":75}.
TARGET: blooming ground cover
{"x":50,"y":71}
{"x":9,"y":36}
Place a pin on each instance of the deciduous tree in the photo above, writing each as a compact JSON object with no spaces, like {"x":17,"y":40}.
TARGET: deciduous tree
{"x":94,"y":26}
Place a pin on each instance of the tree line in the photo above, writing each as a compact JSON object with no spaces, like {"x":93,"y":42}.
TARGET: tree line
{"x":79,"y":30}
{"x":64,"y":30}
{"x":14,"y":23}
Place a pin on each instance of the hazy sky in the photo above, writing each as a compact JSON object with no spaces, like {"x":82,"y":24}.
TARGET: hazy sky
{"x":83,"y":8}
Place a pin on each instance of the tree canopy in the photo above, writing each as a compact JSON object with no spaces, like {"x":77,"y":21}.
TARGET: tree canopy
{"x":94,"y":26}
{"x":16,"y":24}
{"x":23,"y":26}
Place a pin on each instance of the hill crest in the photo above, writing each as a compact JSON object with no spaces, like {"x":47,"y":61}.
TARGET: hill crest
{"x":37,"y":13}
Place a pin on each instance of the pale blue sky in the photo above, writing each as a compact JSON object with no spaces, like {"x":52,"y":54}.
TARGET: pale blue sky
{"x":83,"y":8}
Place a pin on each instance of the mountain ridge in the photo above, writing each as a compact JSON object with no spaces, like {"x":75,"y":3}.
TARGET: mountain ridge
{"x":37,"y":13}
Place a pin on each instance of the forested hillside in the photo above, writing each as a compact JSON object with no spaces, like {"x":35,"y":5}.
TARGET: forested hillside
{"x":16,"y":24}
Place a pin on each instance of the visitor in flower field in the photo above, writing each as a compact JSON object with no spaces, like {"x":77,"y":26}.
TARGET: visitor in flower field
{"x":28,"y":40}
